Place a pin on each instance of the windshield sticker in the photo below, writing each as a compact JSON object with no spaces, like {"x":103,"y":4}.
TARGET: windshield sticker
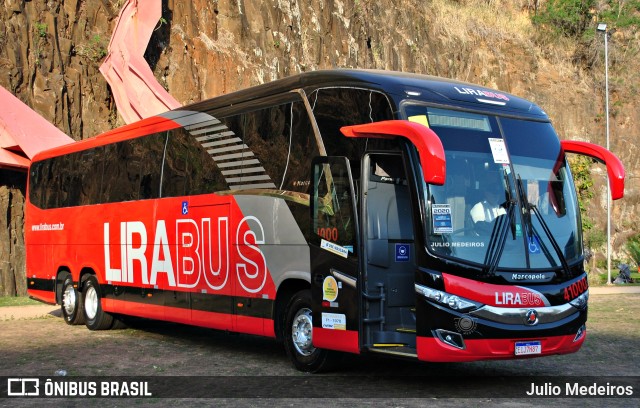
{"x":534,"y":245}
{"x":421,"y":119}
{"x":518,"y":230}
{"x":441,"y":215}
{"x":334,"y":248}
{"x":499,"y":151}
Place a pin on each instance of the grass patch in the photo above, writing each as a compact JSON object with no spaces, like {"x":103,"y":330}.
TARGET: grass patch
{"x":615,"y":314}
{"x":17,"y":301}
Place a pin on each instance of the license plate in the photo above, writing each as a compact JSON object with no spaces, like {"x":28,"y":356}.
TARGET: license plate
{"x":524,"y":348}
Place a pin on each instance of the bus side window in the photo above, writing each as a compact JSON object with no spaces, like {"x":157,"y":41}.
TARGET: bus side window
{"x":188,"y":168}
{"x":337,"y":107}
{"x":63,"y":172}
{"x":90,"y":170}
{"x":333,"y":220}
{"x":116,"y":165}
{"x":42,"y":191}
{"x":132,"y":169}
{"x":302,"y":149}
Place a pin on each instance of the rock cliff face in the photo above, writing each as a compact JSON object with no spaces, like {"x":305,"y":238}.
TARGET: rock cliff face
{"x":50,"y":52}
{"x":12,"y":278}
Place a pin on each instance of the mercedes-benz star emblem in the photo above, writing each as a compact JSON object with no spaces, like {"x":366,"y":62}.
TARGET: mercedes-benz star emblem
{"x":531,"y":318}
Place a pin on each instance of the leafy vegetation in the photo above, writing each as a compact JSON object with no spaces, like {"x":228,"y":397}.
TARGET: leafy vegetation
{"x":576,"y":18}
{"x":580,"y":169}
{"x":93,"y":50}
{"x":39,"y":39}
{"x":621,"y":13}
{"x":594,"y":238}
{"x":41,"y":29}
{"x":569,"y":18}
{"x":633,"y":246}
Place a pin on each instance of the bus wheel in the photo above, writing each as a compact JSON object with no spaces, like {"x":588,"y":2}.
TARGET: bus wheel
{"x":72,"y":306}
{"x":298,"y":336}
{"x":95,"y":317}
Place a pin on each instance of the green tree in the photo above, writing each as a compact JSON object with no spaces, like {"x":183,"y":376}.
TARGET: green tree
{"x":577,"y":18}
{"x":621,"y":13}
{"x":569,"y":18}
{"x":580,"y":169}
{"x":633,"y":246}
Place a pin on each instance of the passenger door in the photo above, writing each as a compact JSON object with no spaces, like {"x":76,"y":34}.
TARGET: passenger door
{"x":335,"y":256}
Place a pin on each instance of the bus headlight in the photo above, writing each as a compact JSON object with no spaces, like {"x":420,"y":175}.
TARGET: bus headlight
{"x":581,"y":301}
{"x":452,"y":301}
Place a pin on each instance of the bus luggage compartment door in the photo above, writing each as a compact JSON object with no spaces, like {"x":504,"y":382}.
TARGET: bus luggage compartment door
{"x":335,"y":259}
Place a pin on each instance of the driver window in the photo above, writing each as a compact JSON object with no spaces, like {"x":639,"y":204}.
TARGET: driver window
{"x":333,"y":219}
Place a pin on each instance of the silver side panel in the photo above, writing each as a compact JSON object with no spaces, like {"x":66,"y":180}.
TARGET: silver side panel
{"x":286,"y":250}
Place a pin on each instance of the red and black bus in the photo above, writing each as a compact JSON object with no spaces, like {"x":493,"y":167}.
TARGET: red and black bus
{"x":343,"y":210}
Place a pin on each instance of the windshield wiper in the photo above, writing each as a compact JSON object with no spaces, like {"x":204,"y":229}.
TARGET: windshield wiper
{"x":532,"y":232}
{"x":499,"y":232}
{"x":498,"y":239}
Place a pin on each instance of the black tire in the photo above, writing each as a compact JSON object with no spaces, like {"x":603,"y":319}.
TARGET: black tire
{"x":298,"y":336}
{"x":95,"y":317}
{"x":71,"y":303}
{"x":118,"y":323}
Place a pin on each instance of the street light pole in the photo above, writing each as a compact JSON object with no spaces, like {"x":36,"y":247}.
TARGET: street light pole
{"x":602,"y":27}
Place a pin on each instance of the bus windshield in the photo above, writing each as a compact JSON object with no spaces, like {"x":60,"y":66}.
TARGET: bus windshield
{"x":509,"y":201}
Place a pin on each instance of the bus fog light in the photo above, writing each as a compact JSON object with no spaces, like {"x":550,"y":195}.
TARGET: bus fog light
{"x":451,"y":338}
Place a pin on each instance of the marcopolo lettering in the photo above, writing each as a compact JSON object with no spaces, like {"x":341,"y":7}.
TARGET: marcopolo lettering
{"x":528,"y":276}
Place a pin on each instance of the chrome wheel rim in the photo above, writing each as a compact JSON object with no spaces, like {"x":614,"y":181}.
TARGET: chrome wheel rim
{"x":302,"y":332}
{"x":69,"y":300}
{"x":91,"y":302}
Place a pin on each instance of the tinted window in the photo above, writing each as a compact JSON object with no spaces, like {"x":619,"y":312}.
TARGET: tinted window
{"x":268,"y":148}
{"x":334,"y":208}
{"x":334,"y":108}
{"x":126,"y":171}
{"x":132,"y":169}
{"x":188,"y":168}
{"x":74,"y":179}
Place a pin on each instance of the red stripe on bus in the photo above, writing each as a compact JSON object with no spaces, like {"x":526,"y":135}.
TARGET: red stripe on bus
{"x":46,"y":296}
{"x":434,"y":350}
{"x":147,"y":126}
{"x":212,"y":320}
{"x":341,"y":340}
{"x":494,"y":295}
{"x":255,"y":325}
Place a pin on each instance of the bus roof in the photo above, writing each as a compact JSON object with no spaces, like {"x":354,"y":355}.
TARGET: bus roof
{"x":398,"y":86}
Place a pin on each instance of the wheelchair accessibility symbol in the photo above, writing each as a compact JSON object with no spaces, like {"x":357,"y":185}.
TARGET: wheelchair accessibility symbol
{"x":534,"y":245}
{"x":185,"y":207}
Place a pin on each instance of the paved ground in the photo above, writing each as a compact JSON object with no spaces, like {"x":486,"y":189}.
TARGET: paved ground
{"x":612,"y":289}
{"x":28,"y":312}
